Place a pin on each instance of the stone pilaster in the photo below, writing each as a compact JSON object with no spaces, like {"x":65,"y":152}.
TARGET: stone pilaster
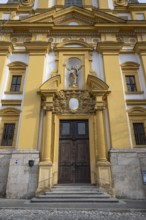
{"x":104,"y":177}
{"x":140,"y":48}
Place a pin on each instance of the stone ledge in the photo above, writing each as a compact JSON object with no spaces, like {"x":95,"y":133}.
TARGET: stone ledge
{"x":6,"y":151}
{"x":135,"y":150}
{"x":26,"y":152}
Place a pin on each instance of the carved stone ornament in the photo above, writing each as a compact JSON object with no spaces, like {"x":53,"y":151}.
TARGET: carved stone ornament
{"x":62,"y":99}
{"x":27,"y":2}
{"x":121,"y":2}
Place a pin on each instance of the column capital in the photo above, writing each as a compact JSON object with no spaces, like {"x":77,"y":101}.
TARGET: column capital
{"x":99,"y":106}
{"x":6,"y":47}
{"x":99,"y":103}
{"x":37,"y":48}
{"x":109,"y":48}
{"x":48,"y":103}
{"x":140,"y":47}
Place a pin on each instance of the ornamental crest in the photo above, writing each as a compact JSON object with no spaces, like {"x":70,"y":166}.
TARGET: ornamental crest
{"x":27,"y":2}
{"x":121,"y":2}
{"x":78,"y":101}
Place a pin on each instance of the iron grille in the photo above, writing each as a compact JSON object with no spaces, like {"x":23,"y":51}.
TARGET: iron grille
{"x":73,"y":3}
{"x":16,"y":83}
{"x":8,"y":134}
{"x":131,"y":83}
{"x":139,"y":132}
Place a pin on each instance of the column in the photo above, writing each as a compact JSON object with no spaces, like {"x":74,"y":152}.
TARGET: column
{"x":47,"y":146}
{"x":103,"y":166}
{"x":116,"y":103}
{"x":140,"y":48}
{"x":45,"y":166}
{"x":101,"y":142}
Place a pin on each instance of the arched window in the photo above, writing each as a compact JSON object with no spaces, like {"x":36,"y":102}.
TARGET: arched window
{"x":73,"y":3}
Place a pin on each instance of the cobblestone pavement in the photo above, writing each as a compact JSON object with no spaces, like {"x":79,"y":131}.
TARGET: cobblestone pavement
{"x":20,"y":214}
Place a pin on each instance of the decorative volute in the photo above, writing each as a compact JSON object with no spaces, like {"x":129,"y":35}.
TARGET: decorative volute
{"x":120,"y":2}
{"x":27,"y":2}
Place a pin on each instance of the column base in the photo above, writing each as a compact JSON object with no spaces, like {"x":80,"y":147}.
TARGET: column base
{"x":45,"y":177}
{"x":104,"y":177}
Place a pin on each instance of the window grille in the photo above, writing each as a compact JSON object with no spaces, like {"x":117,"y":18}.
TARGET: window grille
{"x":139,"y":133}
{"x":8,"y":134}
{"x":73,"y":3}
{"x":16,"y":83}
{"x":131,"y":84}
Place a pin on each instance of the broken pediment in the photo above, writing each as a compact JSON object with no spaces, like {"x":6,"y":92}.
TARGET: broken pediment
{"x":73,"y":14}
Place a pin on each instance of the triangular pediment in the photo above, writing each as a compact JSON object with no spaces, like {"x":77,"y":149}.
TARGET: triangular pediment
{"x":73,"y":14}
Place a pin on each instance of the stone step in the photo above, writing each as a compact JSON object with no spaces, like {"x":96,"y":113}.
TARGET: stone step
{"x":73,"y":192}
{"x":81,"y":193}
{"x":72,"y":200}
{"x":74,"y":196}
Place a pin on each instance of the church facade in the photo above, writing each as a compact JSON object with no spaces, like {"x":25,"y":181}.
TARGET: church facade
{"x":73,"y":96}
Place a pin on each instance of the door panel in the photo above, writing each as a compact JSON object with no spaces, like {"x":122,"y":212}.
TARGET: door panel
{"x":65,"y":161}
{"x":74,"y":163}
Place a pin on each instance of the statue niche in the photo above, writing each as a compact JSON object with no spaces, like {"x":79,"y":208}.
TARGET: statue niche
{"x":73,"y":75}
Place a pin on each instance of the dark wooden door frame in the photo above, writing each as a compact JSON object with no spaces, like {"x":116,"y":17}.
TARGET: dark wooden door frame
{"x":74,"y":156}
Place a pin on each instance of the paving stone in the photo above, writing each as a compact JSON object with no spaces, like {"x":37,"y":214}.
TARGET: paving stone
{"x":54,"y":214}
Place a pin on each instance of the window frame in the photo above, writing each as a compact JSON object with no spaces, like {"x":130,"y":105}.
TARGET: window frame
{"x":16,"y":84}
{"x":144,"y":127}
{"x":16,"y":69}
{"x":9,"y":116}
{"x":8,"y":133}
{"x":131,"y":69}
{"x":137,"y":115}
{"x":130,"y":84}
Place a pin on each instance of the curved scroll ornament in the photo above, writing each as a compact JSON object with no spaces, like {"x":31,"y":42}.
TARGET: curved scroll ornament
{"x":27,"y":2}
{"x":85,"y":99}
{"x":121,"y":2}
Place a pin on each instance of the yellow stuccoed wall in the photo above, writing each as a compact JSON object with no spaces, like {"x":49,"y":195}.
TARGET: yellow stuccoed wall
{"x":3,"y":59}
{"x":103,"y":4}
{"x":118,"y":119}
{"x":143,"y":58}
{"x":43,"y":4}
{"x":29,"y":128}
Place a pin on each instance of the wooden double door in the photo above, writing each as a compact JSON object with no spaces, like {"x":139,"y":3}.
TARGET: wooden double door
{"x":74,"y":159}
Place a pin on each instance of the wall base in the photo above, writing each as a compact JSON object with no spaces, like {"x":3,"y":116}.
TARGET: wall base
{"x":5,"y":156}
{"x":22,"y":179}
{"x":127,"y":167}
{"x":104,"y":178}
{"x":45,"y":177}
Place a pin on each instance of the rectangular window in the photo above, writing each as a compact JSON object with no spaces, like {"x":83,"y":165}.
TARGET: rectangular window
{"x":139,"y":133}
{"x":8,"y":134}
{"x":131,"y":83}
{"x":140,"y":16}
{"x":16,"y":83}
{"x":73,"y":3}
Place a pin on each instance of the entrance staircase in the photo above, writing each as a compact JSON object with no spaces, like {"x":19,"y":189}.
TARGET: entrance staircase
{"x":74,"y":193}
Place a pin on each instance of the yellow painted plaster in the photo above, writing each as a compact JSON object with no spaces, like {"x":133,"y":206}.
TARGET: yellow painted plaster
{"x":118,"y":119}
{"x":29,"y":130}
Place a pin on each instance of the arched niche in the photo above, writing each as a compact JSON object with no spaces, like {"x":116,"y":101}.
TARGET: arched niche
{"x":73,"y":64}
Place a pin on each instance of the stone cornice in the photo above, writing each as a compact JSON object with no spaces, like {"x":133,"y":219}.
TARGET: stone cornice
{"x":11,"y":102}
{"x":37,"y":47}
{"x":136,"y":102}
{"x":109,"y":47}
{"x":140,"y":47}
{"x":5,"y":47}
